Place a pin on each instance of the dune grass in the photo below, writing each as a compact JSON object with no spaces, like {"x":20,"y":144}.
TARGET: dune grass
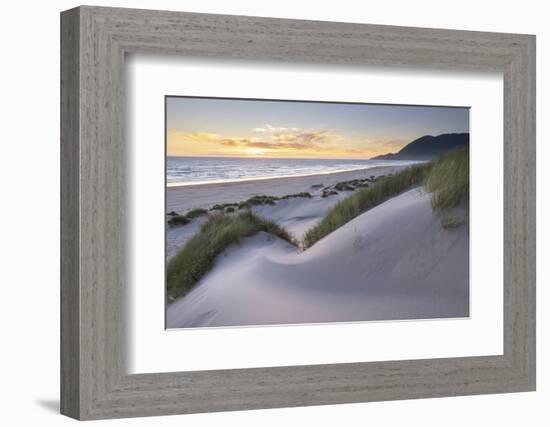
{"x":303,"y":194}
{"x":449,"y":180}
{"x":177,"y":220}
{"x":364,"y":199}
{"x":221,"y":207}
{"x":192,"y":262}
{"x":449,"y":183}
{"x":258,"y":200}
{"x":195,"y":213}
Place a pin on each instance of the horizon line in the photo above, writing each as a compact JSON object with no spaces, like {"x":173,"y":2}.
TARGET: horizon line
{"x":269,"y":157}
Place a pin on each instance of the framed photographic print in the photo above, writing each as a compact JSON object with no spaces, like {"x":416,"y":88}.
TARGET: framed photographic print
{"x":316,"y":218}
{"x":347,"y":210}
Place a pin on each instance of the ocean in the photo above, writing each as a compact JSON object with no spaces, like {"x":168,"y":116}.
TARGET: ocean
{"x":202,"y":170}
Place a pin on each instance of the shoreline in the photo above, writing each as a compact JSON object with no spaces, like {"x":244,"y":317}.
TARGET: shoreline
{"x":262,"y":178}
{"x":182,"y":198}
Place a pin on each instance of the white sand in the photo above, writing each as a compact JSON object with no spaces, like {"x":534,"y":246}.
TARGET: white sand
{"x":393,"y":262}
{"x":297,"y":214}
{"x":177,"y":237}
{"x":183,"y":198}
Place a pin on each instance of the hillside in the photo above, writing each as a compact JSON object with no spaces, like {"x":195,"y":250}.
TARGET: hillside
{"x":428,"y":147}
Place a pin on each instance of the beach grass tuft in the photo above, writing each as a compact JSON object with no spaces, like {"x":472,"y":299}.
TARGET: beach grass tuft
{"x":449,"y":180}
{"x":258,"y":200}
{"x":195,"y":213}
{"x":192,"y":262}
{"x":365,"y":198}
{"x":221,"y":207}
{"x":178,"y":220}
{"x":449,"y":183}
{"x":343,"y":186}
{"x":297,"y":195}
{"x":329,"y":192}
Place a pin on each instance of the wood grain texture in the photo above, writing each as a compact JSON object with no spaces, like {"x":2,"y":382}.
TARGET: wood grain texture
{"x":70,"y":292}
{"x":94,"y":271}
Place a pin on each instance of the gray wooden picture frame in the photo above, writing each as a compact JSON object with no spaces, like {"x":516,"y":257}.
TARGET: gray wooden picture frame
{"x":94,"y":41}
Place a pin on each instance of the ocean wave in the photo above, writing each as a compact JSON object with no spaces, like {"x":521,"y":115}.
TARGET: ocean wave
{"x":202,"y":170}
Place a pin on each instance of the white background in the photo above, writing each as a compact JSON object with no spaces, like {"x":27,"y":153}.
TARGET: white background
{"x":152,"y":349}
{"x":29,"y":225}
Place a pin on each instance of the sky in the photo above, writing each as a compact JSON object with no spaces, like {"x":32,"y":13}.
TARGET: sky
{"x":284,"y":129}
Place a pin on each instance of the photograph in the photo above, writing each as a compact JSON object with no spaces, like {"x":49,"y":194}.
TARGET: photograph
{"x":286,"y":212}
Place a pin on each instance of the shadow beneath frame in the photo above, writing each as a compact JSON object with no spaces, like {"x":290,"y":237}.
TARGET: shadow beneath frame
{"x":51,"y":405}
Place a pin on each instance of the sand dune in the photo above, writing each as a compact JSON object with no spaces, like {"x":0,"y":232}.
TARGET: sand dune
{"x":392,"y":262}
{"x":177,"y":237}
{"x":297,"y":214}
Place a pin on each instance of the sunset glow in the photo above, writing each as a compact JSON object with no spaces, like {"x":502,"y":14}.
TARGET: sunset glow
{"x":282,"y":129}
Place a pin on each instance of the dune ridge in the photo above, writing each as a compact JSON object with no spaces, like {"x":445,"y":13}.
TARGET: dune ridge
{"x":297,"y":215}
{"x":397,"y":260}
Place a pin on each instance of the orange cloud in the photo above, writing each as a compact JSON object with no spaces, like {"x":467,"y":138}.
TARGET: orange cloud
{"x":277,"y":142}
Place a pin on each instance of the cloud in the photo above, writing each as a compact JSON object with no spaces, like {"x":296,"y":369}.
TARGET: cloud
{"x":267,"y":145}
{"x":286,"y":146}
{"x":271,"y":138}
{"x":234,"y":142}
{"x":206,"y":137}
{"x":305,"y":137}
{"x":261,"y":144}
{"x":229,"y":143}
{"x":284,"y":140}
{"x":297,"y":136}
{"x":196,"y":136}
{"x":275,"y":128}
{"x":274,"y":137}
